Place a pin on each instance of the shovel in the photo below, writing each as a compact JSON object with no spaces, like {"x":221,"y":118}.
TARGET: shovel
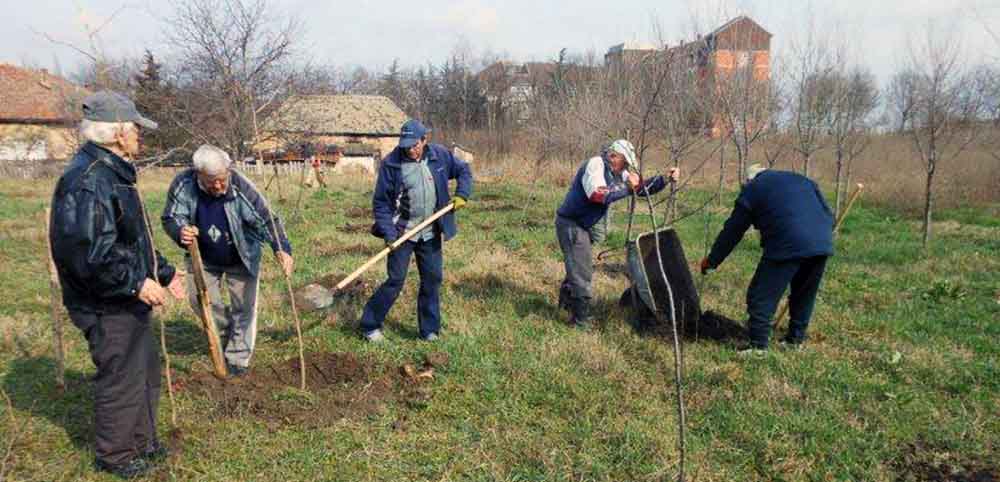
{"x":388,"y":249}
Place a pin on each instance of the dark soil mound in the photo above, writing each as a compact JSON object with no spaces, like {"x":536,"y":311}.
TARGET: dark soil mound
{"x":922,"y":461}
{"x":339,"y":385}
{"x":355,"y":228}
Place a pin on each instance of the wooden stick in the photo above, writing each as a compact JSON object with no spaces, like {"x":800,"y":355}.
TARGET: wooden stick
{"x":57,"y":325}
{"x":399,"y":242}
{"x":836,"y":227}
{"x":205,"y":303}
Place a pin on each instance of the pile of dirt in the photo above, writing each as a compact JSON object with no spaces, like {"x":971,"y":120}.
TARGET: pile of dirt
{"x":356,"y":212}
{"x":339,"y":385}
{"x":924,"y":462}
{"x":355,"y":228}
{"x":715,"y":326}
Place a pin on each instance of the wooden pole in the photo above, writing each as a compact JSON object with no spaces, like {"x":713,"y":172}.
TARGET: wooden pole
{"x":205,"y":305}
{"x":385,"y":252}
{"x":57,"y":324}
{"x":836,"y":227}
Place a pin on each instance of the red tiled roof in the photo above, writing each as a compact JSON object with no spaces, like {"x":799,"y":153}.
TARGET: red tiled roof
{"x":36,"y":96}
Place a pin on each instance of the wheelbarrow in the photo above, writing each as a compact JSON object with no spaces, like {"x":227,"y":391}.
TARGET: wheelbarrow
{"x":649,"y":295}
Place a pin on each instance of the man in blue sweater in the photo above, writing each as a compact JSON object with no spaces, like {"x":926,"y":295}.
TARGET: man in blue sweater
{"x":600,"y":181}
{"x":796,"y":232}
{"x":412,"y":185}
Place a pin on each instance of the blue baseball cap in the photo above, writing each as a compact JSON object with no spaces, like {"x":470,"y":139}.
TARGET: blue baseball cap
{"x":411,"y":132}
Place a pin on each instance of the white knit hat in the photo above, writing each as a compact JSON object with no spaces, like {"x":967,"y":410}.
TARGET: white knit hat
{"x":626,"y":149}
{"x":753,"y":170}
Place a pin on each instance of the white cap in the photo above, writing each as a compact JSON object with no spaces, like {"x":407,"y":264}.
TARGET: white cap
{"x":753,"y":170}
{"x":626,"y":149}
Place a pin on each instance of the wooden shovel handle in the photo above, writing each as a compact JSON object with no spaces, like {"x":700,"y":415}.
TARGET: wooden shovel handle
{"x":205,"y":305}
{"x":399,"y":242}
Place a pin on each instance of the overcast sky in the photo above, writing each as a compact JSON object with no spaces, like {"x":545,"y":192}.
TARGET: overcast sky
{"x":372,"y":33}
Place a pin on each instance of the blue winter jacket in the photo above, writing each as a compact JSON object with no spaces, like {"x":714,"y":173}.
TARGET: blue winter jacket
{"x":789,"y":211}
{"x":390,"y":204}
{"x":250,"y":221}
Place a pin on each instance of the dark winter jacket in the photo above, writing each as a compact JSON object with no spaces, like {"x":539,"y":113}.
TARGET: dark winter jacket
{"x":391,"y":206}
{"x":250,"y":220}
{"x":789,"y":211}
{"x":99,"y":235}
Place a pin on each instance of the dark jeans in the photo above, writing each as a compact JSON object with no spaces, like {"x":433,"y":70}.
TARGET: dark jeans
{"x":766,"y":288}
{"x":430,"y":264}
{"x":127,"y":385}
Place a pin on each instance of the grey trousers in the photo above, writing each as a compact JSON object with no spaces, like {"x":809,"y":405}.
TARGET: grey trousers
{"x":236,"y":323}
{"x":575,"y":243}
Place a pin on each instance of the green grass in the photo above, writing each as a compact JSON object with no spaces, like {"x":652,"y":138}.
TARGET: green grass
{"x":903,"y":364}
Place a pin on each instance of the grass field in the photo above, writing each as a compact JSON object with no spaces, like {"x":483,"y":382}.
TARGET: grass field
{"x":901,"y":380}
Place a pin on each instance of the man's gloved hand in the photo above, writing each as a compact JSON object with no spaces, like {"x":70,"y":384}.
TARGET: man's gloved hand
{"x":459,"y":202}
{"x":705,"y":266}
{"x":388,"y":242}
{"x":655,"y":184}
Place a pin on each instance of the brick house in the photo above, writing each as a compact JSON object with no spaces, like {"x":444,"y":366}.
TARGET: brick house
{"x":38,"y":114}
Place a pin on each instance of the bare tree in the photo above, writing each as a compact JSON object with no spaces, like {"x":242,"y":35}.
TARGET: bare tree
{"x":947,"y":107}
{"x":855,"y":97}
{"x":232,"y":60}
{"x":901,"y":98}
{"x":812,"y":94}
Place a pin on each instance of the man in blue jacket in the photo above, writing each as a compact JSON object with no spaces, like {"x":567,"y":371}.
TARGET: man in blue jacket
{"x":600,"y":181}
{"x":796,"y":232}
{"x":412,"y":185}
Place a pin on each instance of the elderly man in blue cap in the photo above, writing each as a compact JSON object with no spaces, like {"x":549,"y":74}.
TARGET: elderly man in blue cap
{"x":796,"y":232}
{"x":112,"y":277}
{"x":412,"y":185}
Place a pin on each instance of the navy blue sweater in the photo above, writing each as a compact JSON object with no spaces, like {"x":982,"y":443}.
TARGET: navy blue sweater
{"x":789,"y":211}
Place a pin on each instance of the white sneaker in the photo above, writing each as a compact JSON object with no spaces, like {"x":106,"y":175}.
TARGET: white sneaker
{"x":375,"y":336}
{"x":431,"y":337}
{"x":751,"y":352}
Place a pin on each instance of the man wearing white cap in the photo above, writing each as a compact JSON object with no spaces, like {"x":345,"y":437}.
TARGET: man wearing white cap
{"x":600,"y":181}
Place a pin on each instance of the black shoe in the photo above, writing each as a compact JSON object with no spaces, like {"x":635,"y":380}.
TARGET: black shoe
{"x":132,"y":469}
{"x":156,"y":452}
{"x":581,"y":314}
{"x":236,"y":370}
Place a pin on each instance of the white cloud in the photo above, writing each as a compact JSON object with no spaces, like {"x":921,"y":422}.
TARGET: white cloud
{"x":472,"y":17}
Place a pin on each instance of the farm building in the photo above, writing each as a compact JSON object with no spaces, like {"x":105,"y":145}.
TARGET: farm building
{"x":360,"y":124}
{"x":38,"y":114}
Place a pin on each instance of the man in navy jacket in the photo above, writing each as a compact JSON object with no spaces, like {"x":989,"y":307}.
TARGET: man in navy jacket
{"x":796,"y":232}
{"x":412,"y":185}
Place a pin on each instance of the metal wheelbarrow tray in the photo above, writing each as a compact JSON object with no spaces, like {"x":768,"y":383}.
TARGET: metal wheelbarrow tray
{"x":648,"y":283}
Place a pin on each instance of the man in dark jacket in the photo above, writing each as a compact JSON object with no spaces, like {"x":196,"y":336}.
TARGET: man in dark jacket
{"x":111,"y":277}
{"x":412,"y":185}
{"x":600,"y":181}
{"x":224,"y":211}
{"x":796,"y":232}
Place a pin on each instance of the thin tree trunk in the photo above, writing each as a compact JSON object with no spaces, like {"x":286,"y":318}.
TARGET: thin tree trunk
{"x":928,"y":203}
{"x":838,"y":183}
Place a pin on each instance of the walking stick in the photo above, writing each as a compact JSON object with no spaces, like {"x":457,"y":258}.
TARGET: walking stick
{"x":836,"y":227}
{"x":163,"y":325}
{"x":205,"y":305}
{"x":388,"y":249}
{"x":57,"y":325}
{"x":291,"y":297}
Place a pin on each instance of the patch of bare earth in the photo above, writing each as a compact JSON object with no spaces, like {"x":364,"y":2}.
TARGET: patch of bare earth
{"x":339,"y":386}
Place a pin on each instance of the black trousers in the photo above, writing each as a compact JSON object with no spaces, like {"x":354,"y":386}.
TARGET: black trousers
{"x":127,"y":385}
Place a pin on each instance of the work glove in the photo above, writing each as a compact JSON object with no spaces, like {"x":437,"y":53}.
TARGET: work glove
{"x":705,"y":266}
{"x":459,"y":202}
{"x":655,"y":184}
